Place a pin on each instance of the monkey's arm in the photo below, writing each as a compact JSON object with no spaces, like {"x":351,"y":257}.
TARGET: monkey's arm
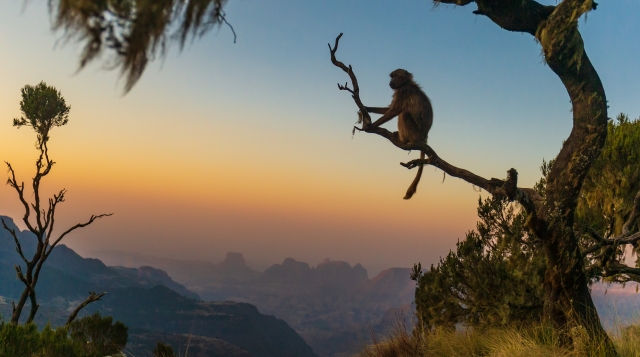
{"x":388,"y":115}
{"x":377,"y":110}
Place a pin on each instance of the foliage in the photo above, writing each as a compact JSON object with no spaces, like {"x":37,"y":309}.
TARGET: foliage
{"x":604,"y":213}
{"x":494,"y":277}
{"x":135,"y":30}
{"x":163,"y":350}
{"x":78,"y":340}
{"x":43,"y":108}
{"x":26,"y":340}
{"x":607,"y":193}
{"x":100,"y":334}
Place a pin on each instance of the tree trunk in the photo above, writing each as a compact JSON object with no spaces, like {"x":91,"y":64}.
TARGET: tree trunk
{"x":567,"y":295}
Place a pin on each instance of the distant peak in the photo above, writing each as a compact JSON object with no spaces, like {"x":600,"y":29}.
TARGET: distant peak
{"x":233,"y":259}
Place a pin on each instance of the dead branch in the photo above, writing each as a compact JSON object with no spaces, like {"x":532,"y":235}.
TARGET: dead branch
{"x":91,"y":298}
{"x":527,"y":197}
{"x":355,"y":92}
{"x":12,"y":182}
{"x":79,"y":225}
{"x":16,"y":241}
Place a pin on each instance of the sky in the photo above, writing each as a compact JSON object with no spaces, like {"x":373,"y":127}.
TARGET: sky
{"x":247,"y":146}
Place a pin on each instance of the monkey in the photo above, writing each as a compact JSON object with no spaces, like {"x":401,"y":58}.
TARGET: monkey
{"x":414,"y":111}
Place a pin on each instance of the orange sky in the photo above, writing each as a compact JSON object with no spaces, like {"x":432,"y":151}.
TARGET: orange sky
{"x":247,"y":147}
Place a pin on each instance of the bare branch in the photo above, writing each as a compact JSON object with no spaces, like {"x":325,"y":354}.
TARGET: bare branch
{"x":11,"y":181}
{"x":617,"y":269}
{"x":15,"y":239}
{"x":51,"y":218}
{"x":527,"y":197}
{"x":79,"y":225}
{"x":91,"y":298}
{"x":23,"y":279}
{"x":355,"y":92}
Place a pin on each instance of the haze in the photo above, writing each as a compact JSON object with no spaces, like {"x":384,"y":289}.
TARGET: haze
{"x":247,"y":147}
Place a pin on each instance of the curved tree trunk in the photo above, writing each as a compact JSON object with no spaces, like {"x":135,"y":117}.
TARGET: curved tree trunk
{"x":567,"y":295}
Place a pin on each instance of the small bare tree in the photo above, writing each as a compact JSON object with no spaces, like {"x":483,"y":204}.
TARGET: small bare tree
{"x":43,"y":108}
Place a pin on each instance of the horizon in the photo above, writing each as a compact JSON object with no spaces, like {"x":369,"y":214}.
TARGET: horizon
{"x":248,"y":147}
{"x":260,"y":268}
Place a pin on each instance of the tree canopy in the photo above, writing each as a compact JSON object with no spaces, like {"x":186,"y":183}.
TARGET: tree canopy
{"x":43,"y":108}
{"x":134,"y":31}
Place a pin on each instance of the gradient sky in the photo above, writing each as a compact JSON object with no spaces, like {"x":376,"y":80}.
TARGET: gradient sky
{"x":247,"y":147}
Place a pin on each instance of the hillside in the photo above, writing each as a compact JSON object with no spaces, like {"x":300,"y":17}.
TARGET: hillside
{"x":334,"y":306}
{"x":147,"y":300}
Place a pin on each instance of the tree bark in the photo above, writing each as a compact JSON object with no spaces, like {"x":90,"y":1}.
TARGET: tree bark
{"x":556,"y":28}
{"x":567,"y":295}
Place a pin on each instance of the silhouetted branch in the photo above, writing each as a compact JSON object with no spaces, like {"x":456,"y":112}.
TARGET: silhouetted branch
{"x":15,"y":239}
{"x":79,"y":225}
{"x":626,"y":237}
{"x":527,"y":197}
{"x":355,"y":92}
{"x":91,"y":298}
{"x":12,"y":182}
{"x":619,"y":269}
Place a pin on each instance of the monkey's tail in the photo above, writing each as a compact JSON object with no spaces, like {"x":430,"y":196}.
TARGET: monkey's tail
{"x":414,"y":185}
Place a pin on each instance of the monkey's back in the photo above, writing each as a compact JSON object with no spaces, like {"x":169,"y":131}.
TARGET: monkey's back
{"x":416,"y":118}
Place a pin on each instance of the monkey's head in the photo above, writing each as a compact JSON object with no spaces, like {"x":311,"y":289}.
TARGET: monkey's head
{"x":400,"y":78}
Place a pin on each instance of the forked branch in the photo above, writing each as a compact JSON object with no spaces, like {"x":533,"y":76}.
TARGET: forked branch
{"x":79,"y":225}
{"x":355,"y":92}
{"x":527,"y":197}
{"x":604,"y":252}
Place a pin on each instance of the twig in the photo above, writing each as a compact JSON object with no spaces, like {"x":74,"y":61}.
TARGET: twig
{"x":355,"y":92}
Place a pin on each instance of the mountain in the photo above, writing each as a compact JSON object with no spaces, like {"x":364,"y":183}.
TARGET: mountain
{"x":238,"y":324}
{"x":233,"y":269}
{"x":334,"y":306}
{"x":149,"y":301}
{"x":68,"y":271}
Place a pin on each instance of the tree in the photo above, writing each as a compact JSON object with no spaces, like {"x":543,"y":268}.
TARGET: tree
{"x":43,"y":108}
{"x":134,"y":30}
{"x":495,"y":274}
{"x":551,"y":216}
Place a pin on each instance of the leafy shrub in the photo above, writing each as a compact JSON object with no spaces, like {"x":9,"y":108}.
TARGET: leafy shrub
{"x":99,"y":335}
{"x":26,"y":340}
{"x":163,"y":350}
{"x":92,"y":336}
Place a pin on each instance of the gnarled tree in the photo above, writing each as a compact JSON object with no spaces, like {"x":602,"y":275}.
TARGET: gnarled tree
{"x":550,"y":217}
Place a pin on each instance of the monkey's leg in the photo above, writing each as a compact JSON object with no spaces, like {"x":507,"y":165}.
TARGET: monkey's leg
{"x":414,"y":185}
